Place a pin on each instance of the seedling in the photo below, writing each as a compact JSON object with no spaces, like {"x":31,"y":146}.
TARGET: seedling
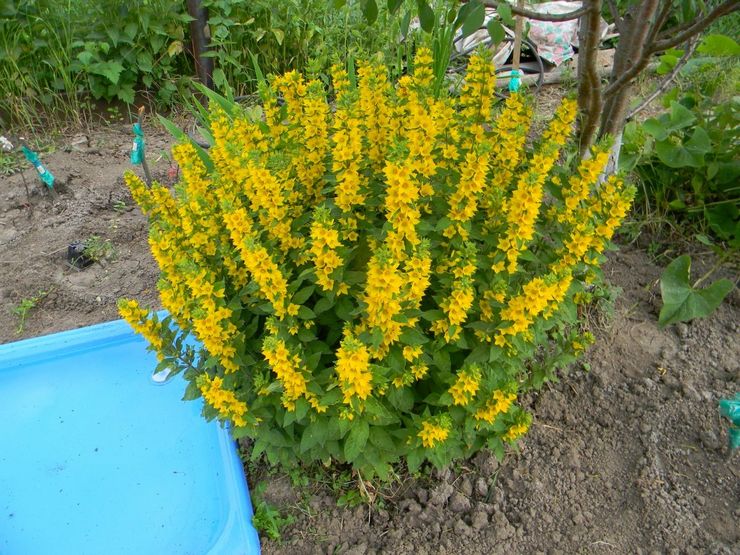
{"x":120,"y":206}
{"x":24,"y":308}
{"x":82,"y":254}
{"x":97,"y":249}
{"x":267,"y":519}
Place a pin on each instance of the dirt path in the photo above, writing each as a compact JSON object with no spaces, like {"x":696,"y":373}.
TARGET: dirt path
{"x":627,"y":458}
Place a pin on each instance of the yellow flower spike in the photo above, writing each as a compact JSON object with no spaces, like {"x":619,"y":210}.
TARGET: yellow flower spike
{"x":423,"y":74}
{"x":223,"y":400}
{"x":142,"y":323}
{"x":353,"y":369}
{"x":523,"y":208}
{"x":382,"y":297}
{"x":324,"y":244}
{"x":288,"y":368}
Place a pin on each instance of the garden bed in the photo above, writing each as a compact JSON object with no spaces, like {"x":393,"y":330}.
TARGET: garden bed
{"x":629,"y":456}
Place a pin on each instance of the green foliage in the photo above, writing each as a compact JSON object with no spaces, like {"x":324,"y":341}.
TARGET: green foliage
{"x":53,"y":54}
{"x":286,"y":35}
{"x":682,"y":301}
{"x":23,"y":308}
{"x":97,"y":248}
{"x":688,"y":158}
{"x":267,"y":519}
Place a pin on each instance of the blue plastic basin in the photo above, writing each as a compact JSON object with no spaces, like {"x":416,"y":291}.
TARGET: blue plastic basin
{"x":96,"y":458}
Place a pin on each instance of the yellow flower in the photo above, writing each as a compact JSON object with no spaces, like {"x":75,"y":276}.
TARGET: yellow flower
{"x":516,"y":431}
{"x":288,"y":368}
{"x":324,"y":244}
{"x":466,"y":385}
{"x":353,"y":369}
{"x":499,"y":403}
{"x":382,"y":298}
{"x":142,"y":323}
{"x":434,"y":431}
{"x":223,"y":400}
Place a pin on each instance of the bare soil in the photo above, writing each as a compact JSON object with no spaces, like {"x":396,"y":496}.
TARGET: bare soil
{"x":629,"y":457}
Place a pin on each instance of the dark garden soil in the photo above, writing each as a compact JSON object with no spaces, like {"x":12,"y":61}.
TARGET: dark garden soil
{"x":629,"y":457}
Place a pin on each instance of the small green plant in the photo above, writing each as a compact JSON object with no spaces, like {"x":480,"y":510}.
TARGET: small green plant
{"x":120,"y":206}
{"x":98,"y":249}
{"x":267,"y":518}
{"x":23,"y":308}
{"x":687,"y":158}
{"x":683,"y":301}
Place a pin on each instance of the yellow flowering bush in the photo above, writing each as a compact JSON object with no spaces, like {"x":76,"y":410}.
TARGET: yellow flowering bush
{"x":379,"y":279}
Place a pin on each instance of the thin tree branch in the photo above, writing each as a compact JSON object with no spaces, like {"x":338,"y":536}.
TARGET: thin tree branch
{"x":641,"y":51}
{"x":667,"y":80}
{"x":660,"y":21}
{"x":529,"y":14}
{"x":725,"y":8}
{"x":615,"y":14}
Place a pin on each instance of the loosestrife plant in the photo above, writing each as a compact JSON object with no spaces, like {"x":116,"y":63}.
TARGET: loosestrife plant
{"x":381,"y":280}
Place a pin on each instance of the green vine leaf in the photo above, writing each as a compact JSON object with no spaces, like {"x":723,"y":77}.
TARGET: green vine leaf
{"x":681,"y":301}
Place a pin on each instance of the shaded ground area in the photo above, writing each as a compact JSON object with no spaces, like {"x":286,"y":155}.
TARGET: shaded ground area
{"x":630,"y":457}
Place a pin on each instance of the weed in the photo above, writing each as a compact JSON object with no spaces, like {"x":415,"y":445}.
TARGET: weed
{"x":120,"y":206}
{"x":24,"y":307}
{"x":98,"y":249}
{"x":10,"y":163}
{"x":267,"y":518}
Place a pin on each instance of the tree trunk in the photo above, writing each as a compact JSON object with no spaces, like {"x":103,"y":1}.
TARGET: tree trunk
{"x":589,"y":83}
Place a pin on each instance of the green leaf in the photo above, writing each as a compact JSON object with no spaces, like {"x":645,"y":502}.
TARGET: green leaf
{"x":192,"y":391}
{"x":126,"y":94}
{"x":131,"y":29}
{"x":475,"y":18}
{"x":303,"y":295}
{"x":412,"y":336}
{"x":504,"y":12}
{"x":305,"y":313}
{"x":718,"y":45}
{"x":369,"y":10}
{"x":382,"y":440}
{"x":680,"y":117}
{"x":414,"y":460}
{"x":314,"y":434}
{"x":356,"y":440}
{"x":442,"y":360}
{"x":681,"y":302}
{"x":690,"y":154}
{"x":279,"y":35}
{"x":655,"y":128}
{"x":496,"y":31}
{"x":427,"y":18}
{"x":109,"y":70}
{"x":393,"y":6}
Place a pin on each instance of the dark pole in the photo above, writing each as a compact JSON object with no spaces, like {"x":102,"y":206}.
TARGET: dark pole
{"x":200,"y":35}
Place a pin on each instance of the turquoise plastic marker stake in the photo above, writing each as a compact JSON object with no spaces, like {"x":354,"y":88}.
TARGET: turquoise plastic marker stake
{"x":137,"y":150}
{"x":45,"y":175}
{"x":730,"y":409}
{"x":514,"y":81}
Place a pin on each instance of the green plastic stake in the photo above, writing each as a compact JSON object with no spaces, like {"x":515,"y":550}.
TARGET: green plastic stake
{"x":514,"y":81}
{"x":137,"y":150}
{"x":46,"y":176}
{"x":730,"y":409}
